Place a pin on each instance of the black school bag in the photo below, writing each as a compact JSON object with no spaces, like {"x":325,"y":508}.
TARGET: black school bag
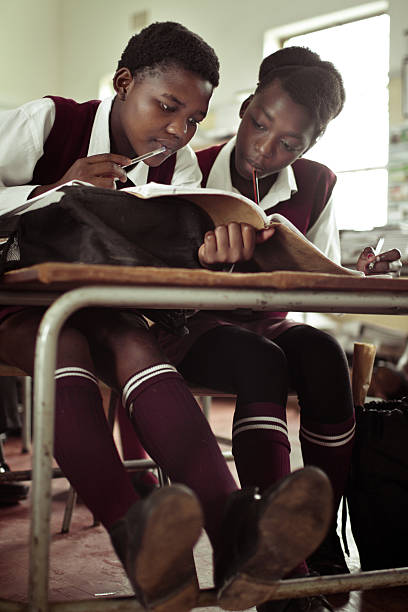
{"x":101,"y":226}
{"x":377,"y":494}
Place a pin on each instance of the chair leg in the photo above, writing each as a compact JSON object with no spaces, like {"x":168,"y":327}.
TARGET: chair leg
{"x":205,"y":401}
{"x":26,"y":424}
{"x":162,"y":478}
{"x":3,"y":465}
{"x":69,"y":508}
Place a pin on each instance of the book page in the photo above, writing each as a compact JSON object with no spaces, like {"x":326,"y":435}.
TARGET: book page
{"x":222,"y":206}
{"x":286,"y":250}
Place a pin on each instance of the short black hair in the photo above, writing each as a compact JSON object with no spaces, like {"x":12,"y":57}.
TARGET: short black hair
{"x":310,"y":81}
{"x":167,"y":43}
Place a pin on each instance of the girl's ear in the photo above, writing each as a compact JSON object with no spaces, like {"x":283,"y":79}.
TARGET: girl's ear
{"x":121,"y":81}
{"x":245,"y":105}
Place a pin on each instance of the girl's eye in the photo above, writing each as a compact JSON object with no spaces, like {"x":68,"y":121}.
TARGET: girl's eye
{"x":166,"y":108}
{"x":257,"y":125}
{"x":291,"y":148}
{"x":193,"y":121}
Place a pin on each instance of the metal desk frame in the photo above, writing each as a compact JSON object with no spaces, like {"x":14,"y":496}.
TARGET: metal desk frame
{"x":150,"y":296}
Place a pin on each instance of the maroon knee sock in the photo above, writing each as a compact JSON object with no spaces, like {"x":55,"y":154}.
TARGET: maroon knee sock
{"x":132,"y":447}
{"x":329,"y":447}
{"x":175,"y":433}
{"x":261,"y":449}
{"x":84,"y":447}
{"x":260,"y":444}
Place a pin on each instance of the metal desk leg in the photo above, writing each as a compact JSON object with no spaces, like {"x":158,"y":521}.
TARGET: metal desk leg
{"x":172,"y":297}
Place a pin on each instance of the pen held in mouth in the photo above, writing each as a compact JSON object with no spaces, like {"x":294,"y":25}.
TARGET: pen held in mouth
{"x":135,"y":160}
{"x":256,"y":186}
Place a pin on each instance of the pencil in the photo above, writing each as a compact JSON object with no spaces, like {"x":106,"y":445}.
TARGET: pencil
{"x":256,"y":186}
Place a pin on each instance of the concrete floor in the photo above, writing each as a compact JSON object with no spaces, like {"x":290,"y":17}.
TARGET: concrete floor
{"x":83,"y":564}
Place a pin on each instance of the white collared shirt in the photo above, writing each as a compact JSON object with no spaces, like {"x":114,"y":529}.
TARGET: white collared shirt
{"x":324,"y":233}
{"x":23,"y":132}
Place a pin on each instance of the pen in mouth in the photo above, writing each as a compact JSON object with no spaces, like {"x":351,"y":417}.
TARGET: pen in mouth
{"x":256,"y":186}
{"x":134,"y":161}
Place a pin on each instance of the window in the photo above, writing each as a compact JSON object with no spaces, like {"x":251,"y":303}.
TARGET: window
{"x":355,"y":144}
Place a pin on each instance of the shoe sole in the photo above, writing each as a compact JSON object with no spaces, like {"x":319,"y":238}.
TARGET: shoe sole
{"x":294,"y":521}
{"x":163,"y":568}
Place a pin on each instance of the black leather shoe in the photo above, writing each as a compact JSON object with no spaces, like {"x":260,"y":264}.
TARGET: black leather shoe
{"x":154,"y":542}
{"x":328,"y":559}
{"x":265,"y":537}
{"x":12,"y":492}
{"x":144,"y":483}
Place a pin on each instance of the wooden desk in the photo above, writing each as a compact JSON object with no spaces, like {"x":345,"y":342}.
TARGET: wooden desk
{"x":69,"y":287}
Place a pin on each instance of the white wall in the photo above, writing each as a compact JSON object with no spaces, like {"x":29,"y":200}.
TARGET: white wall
{"x":64,"y":46}
{"x":235,"y":28}
{"x":29,"y":50}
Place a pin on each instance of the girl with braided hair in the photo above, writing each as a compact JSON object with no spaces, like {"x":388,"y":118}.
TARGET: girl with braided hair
{"x":259,"y":356}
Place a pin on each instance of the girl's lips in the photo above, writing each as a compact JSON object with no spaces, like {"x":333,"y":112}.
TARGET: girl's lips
{"x":253,"y":166}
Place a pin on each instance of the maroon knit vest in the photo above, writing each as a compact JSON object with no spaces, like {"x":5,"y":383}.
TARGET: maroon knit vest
{"x":315,"y":184}
{"x":69,"y":140}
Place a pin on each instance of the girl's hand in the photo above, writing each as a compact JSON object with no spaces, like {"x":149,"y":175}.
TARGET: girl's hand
{"x":229,"y":244}
{"x":99,"y":170}
{"x":388,"y":262}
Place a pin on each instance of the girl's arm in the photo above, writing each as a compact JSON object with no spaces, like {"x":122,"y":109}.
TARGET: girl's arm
{"x":23,"y":132}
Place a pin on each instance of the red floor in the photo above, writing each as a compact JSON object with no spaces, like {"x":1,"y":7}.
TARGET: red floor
{"x":83,"y":564}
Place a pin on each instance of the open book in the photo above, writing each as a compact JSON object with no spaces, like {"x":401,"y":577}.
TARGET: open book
{"x":287,"y":249}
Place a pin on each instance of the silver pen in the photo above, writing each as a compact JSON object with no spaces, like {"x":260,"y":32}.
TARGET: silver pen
{"x":145,"y":156}
{"x":379,"y":245}
{"x":377,"y":251}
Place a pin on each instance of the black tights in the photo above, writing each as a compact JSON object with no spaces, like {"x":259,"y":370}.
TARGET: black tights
{"x":304,"y":359}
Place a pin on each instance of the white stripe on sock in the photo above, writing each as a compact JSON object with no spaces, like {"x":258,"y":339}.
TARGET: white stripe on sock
{"x":243,"y":428}
{"x":142,"y":376}
{"x":313,"y":434}
{"x":75,"y":371}
{"x":260,"y":419}
{"x":331,"y":441}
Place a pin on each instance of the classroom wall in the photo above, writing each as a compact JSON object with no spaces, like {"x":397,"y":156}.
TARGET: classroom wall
{"x":235,"y":29}
{"x":65,"y":46}
{"x":29,"y":50}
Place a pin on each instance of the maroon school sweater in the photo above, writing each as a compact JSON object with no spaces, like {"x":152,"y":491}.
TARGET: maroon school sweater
{"x":69,"y":140}
{"x":315,"y":184}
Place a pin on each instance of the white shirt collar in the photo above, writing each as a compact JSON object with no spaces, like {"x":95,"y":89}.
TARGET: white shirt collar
{"x":220,"y":178}
{"x":100,"y":140}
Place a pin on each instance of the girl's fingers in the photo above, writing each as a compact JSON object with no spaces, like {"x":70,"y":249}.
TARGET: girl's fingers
{"x":228,"y":244}
{"x":391,"y":255}
{"x":264,"y":235}
{"x":121,"y":160}
{"x":388,"y":262}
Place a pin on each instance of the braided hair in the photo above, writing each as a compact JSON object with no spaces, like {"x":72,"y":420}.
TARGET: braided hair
{"x":165,"y":44}
{"x":309,"y":81}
